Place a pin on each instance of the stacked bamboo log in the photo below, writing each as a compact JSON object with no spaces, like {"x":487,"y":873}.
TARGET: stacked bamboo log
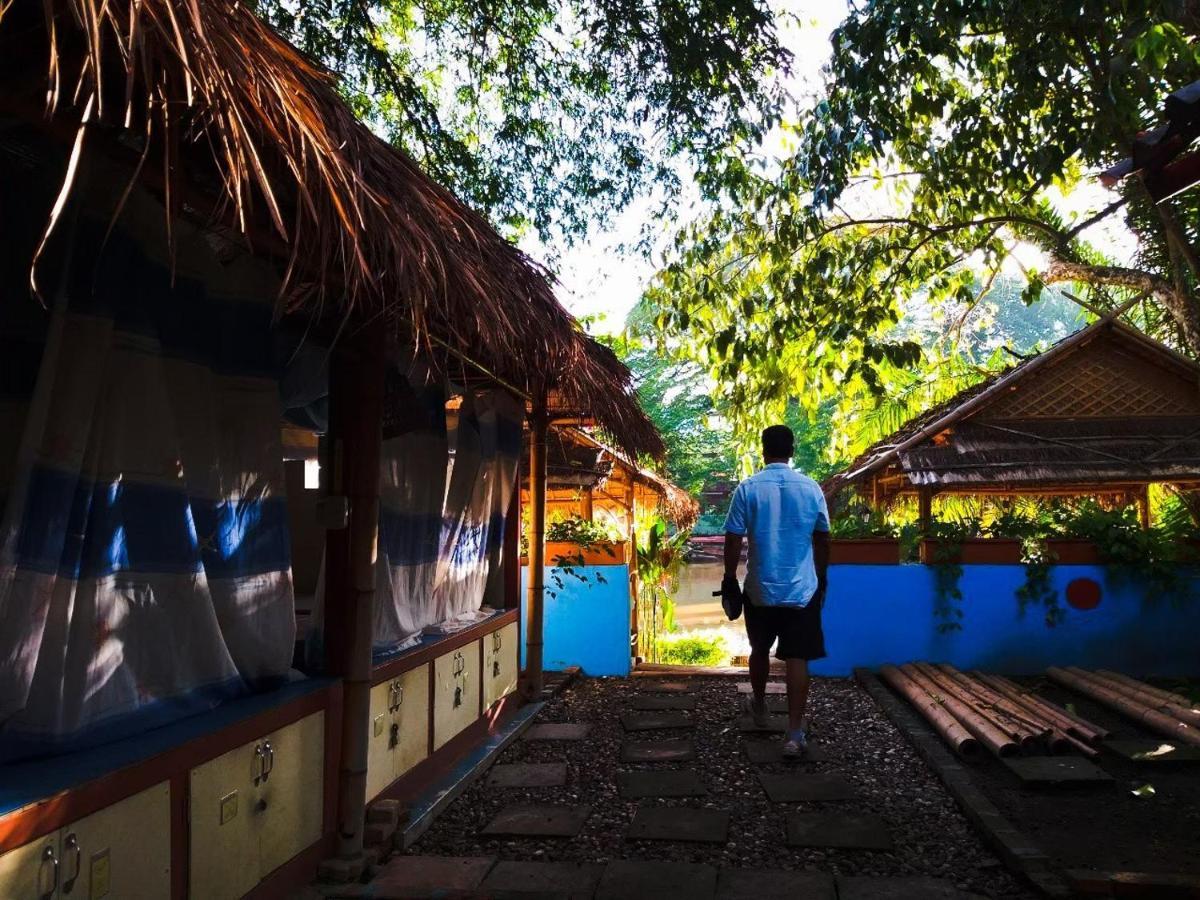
{"x":1170,"y":714}
{"x":975,"y":710}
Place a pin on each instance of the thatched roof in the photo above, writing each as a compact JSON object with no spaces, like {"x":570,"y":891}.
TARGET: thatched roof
{"x":1106,"y":405}
{"x":205,"y":92}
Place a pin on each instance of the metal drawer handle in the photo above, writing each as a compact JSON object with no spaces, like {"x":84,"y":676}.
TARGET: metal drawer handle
{"x":48,"y":856}
{"x":73,"y":843}
{"x":268,"y":760}
{"x":260,"y":763}
{"x":399,"y":689}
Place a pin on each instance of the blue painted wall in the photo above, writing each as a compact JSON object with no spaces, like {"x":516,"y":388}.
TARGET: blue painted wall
{"x":584,"y":624}
{"x":884,"y":614}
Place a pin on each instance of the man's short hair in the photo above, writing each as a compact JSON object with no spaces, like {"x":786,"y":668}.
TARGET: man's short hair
{"x":778,"y":442}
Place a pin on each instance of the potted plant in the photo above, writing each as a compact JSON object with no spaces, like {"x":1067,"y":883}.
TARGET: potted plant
{"x":575,"y":541}
{"x":863,"y":540}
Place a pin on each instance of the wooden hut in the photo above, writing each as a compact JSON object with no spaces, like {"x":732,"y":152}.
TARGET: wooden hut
{"x":199,"y":215}
{"x":1105,"y":411}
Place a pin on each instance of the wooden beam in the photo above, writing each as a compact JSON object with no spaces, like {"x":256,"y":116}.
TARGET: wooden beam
{"x":587,"y":504}
{"x":356,"y":433}
{"x":512,"y":548}
{"x":539,"y":425}
{"x":925,"y":509}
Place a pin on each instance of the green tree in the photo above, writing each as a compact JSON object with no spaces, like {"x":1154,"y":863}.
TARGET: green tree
{"x":947,"y":135}
{"x":546,"y":114}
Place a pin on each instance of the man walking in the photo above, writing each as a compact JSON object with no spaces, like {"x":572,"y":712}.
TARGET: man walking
{"x":783,"y":514}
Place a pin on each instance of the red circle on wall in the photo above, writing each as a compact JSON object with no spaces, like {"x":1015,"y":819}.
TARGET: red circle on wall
{"x":1084,"y":593}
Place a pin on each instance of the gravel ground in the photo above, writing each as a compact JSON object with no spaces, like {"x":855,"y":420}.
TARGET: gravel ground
{"x":931,"y":836}
{"x":1153,"y":833}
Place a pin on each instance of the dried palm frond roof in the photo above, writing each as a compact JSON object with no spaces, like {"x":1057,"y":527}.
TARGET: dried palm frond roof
{"x":364,"y":233}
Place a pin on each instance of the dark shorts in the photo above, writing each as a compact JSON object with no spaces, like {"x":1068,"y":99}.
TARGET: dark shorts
{"x":798,"y":629}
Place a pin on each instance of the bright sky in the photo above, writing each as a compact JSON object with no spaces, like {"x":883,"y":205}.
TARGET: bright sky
{"x":597,"y":277}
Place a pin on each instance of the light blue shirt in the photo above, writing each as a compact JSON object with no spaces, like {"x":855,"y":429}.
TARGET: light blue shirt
{"x":778,"y":509}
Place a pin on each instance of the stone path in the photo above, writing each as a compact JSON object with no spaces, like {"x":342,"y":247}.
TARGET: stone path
{"x":679,"y":806}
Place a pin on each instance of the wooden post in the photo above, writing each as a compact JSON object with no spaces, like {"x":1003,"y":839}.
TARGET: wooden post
{"x":539,"y":425}
{"x":355,"y":431}
{"x":635,"y":627}
{"x":511,"y":559}
{"x":1143,"y":504}
{"x":587,"y":505}
{"x":925,"y":509}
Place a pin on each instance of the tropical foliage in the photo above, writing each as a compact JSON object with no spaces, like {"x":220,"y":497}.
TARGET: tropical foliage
{"x":550,"y":115}
{"x":936,"y":160}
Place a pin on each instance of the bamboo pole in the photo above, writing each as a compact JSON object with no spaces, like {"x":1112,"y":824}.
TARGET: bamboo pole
{"x":1014,"y":730}
{"x":1138,"y":693}
{"x":1037,"y":727}
{"x":987,"y":733}
{"x":1166,"y":696}
{"x":535,"y":600}
{"x":1079,"y":726}
{"x":1152,"y":718}
{"x":355,"y":429}
{"x":950,"y":729}
{"x":1058,"y":718}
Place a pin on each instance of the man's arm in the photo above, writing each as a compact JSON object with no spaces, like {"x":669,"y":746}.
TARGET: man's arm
{"x":733,"y":553}
{"x":821,"y":544}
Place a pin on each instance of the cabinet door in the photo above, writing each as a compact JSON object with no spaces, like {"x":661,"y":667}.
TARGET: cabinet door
{"x":500,"y":666}
{"x":122,"y":851}
{"x":223,"y":841}
{"x":456,"y":692}
{"x":380,"y":758}
{"x":291,"y":798}
{"x":32,"y":871}
{"x":412,"y":719}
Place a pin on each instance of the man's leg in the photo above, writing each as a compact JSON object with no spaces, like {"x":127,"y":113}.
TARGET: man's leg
{"x":797,"y":688}
{"x":760,"y":668}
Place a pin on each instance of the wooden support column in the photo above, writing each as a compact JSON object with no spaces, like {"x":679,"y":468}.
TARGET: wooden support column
{"x":539,"y":425}
{"x":355,"y":436}
{"x":925,"y":509}
{"x":511,"y":559}
{"x":1143,"y":505}
{"x":631,"y":555}
{"x":587,"y":505}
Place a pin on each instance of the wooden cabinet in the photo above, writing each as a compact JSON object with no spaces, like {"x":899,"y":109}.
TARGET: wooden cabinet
{"x":252,"y":809}
{"x":123,"y":851}
{"x":455,"y":691}
{"x":499,"y":664}
{"x":399,"y":737}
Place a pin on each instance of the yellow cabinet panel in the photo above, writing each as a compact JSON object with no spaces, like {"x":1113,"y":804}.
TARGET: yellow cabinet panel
{"x":291,"y":797}
{"x":223,"y":857}
{"x":455,"y":692}
{"x":28,"y":872}
{"x":122,"y":852}
{"x":500,"y":664}
{"x":412,"y":715}
{"x":380,"y":756}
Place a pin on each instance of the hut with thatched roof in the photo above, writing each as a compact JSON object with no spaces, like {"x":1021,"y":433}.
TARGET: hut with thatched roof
{"x":215,"y":281}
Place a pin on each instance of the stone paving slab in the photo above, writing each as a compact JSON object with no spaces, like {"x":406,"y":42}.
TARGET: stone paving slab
{"x":419,"y":876}
{"x":776,"y":724}
{"x":639,"y":785}
{"x":537,"y":821}
{"x":679,"y":750}
{"x":558,"y":731}
{"x":911,"y":887}
{"x":805,"y":787}
{"x":1155,"y":752}
{"x":527,"y":775}
{"x":763,"y":752}
{"x":679,"y":823}
{"x":664,"y":687}
{"x":846,"y":831}
{"x":663,"y":701}
{"x":557,"y":879}
{"x":774,"y":884}
{"x":773,"y":687}
{"x":631,"y":879}
{"x":1042,"y":771}
{"x":654,"y":721}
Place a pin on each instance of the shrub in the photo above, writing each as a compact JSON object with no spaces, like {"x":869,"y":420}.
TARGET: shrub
{"x":693,"y":650}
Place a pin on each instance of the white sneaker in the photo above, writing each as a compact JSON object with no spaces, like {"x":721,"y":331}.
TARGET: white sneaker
{"x":756,"y":709}
{"x":796,"y":745}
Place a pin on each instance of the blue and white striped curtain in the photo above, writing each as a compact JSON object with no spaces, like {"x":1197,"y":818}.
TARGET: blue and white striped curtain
{"x":144,"y":548}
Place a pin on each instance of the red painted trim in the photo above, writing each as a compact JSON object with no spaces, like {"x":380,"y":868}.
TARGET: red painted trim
{"x":34,"y":821}
{"x":298,"y":872}
{"x":448,"y":644}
